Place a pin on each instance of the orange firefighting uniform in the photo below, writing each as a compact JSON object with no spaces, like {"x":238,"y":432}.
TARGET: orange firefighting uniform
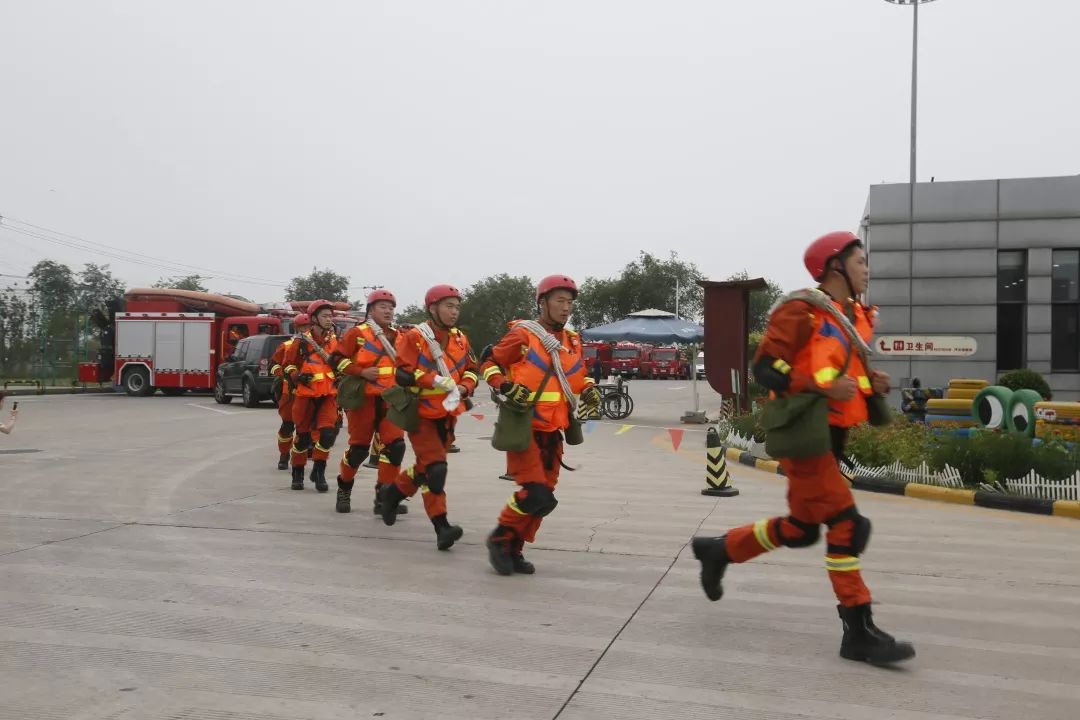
{"x":809,"y":347}
{"x":285,"y":432}
{"x":520,"y":358}
{"x":433,"y":438}
{"x":314,"y":407}
{"x":361,"y":349}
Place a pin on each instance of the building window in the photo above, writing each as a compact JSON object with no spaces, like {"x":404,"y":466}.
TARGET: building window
{"x":1012,"y":299}
{"x":1065,"y":314}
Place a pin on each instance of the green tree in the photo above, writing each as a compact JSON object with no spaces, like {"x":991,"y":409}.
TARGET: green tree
{"x":182,"y":282}
{"x":411,"y":315}
{"x":54,"y":295}
{"x":319,"y":285}
{"x":494,"y":301}
{"x":647,"y":282}
{"x":96,"y":288}
{"x":760,"y":302}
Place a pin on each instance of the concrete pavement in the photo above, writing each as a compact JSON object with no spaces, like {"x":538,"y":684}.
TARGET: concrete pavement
{"x":154,"y":564}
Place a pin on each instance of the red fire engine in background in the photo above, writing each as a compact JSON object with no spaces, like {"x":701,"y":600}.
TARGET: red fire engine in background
{"x":626,"y":359}
{"x":173,"y":340}
{"x":664,"y":362}
{"x":598,"y":352}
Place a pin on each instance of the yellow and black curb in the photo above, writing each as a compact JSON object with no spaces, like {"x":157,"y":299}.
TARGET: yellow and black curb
{"x":959,"y":496}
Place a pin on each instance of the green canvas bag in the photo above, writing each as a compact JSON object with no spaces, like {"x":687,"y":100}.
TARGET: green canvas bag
{"x":513,"y":426}
{"x":402,"y":407}
{"x":351,"y":392}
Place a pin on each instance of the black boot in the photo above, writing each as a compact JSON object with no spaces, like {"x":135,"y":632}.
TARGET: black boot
{"x":445,"y":533}
{"x":389,"y":500}
{"x":865,"y":642}
{"x":712,"y":552}
{"x":344,"y":496}
{"x":298,"y":477}
{"x":498,"y":545}
{"x":377,"y":507}
{"x":283,"y":461}
{"x":521,"y":565}
{"x":318,"y":475}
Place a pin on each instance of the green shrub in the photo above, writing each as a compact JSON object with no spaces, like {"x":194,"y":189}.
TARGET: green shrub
{"x":1024,"y":378}
{"x":905,"y":442}
{"x":1054,"y":460}
{"x":749,"y":426}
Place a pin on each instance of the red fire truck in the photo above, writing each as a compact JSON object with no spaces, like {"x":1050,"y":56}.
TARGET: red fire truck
{"x":626,"y":359}
{"x":173,"y":340}
{"x":598,"y":352}
{"x":665,"y":362}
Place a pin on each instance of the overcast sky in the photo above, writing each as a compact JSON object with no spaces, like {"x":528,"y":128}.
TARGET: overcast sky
{"x":409,"y":142}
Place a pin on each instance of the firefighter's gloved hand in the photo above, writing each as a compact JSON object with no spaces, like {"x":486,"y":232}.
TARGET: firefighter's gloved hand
{"x":445,"y":383}
{"x":516,"y":394}
{"x":305,"y":378}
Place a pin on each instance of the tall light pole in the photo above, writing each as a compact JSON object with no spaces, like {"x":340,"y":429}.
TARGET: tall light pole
{"x":914,"y":124}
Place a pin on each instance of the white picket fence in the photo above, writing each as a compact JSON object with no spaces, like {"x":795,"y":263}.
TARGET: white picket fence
{"x":1031,"y":485}
{"x":949,"y":477}
{"x":1035,"y":486}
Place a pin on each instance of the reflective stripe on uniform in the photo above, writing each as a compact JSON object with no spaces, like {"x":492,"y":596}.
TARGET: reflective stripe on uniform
{"x":323,"y":376}
{"x":781,"y":366}
{"x":864,"y":383}
{"x":491,"y":372}
{"x":847,"y":563}
{"x":761,"y":533}
{"x":512,"y":504}
{"x":546,"y":397}
{"x":418,"y":373}
{"x":386,"y":370}
{"x":290,"y":368}
{"x":346,"y":362}
{"x":469,"y":375}
{"x":826,"y":375}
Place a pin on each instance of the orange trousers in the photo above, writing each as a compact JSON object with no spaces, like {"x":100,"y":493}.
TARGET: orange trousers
{"x":536,"y":472}
{"x":817,"y":494}
{"x":430,"y":443}
{"x":314,"y":418}
{"x":364,"y":422}
{"x":284,"y":411}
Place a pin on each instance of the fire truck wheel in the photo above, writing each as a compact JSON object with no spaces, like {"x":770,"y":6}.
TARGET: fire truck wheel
{"x":251,"y":395}
{"x":137,"y":382}
{"x":219,"y":393}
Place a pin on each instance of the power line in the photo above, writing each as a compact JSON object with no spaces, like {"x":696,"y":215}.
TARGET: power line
{"x":76,"y":243}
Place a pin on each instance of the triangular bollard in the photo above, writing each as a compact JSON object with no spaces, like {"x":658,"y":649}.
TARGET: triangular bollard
{"x":717,"y":477}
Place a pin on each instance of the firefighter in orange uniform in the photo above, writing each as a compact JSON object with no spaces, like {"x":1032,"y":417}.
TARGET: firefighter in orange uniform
{"x":367,"y":350}
{"x":520,"y":368}
{"x":443,"y":385}
{"x":806,"y":348}
{"x":301,"y":324}
{"x":308,"y":368}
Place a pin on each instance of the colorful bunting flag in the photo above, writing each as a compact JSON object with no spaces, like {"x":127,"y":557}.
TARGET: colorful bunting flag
{"x":676,"y":437}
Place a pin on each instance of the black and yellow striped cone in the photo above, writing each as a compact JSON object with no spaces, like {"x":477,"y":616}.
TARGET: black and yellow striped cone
{"x":717,"y":477}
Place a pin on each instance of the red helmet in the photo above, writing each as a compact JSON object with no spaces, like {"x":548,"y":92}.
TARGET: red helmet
{"x":440,"y":292}
{"x":315,"y":306}
{"x":377,"y":295}
{"x":555,"y":282}
{"x":824,"y":249}
{"x":301,"y":319}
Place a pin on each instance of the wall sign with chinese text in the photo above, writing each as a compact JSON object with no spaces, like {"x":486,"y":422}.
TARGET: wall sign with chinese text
{"x":925,"y":345}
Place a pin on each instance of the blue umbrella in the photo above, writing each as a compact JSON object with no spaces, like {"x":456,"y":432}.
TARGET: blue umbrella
{"x":648,"y":326}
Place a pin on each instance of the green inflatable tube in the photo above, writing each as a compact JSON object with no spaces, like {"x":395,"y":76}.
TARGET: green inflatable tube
{"x":1021,"y":417}
{"x":991,"y":407}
